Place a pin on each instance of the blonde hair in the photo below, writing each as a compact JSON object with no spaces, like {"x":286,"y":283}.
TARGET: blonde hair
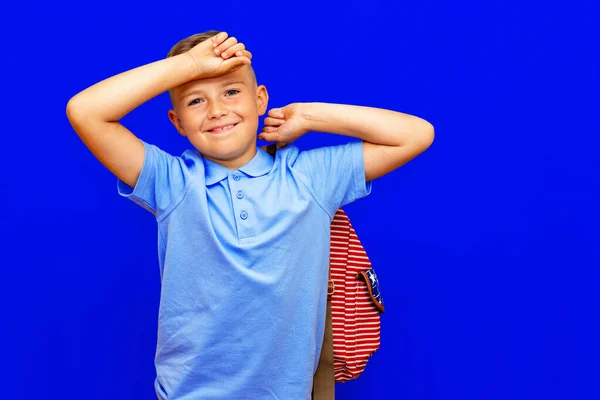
{"x":188,"y":43}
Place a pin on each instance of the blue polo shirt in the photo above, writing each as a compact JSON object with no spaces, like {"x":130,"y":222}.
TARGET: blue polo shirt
{"x":243,"y":258}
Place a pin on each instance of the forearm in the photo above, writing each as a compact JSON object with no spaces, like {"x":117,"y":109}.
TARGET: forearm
{"x":113,"y":98}
{"x":374,"y":125}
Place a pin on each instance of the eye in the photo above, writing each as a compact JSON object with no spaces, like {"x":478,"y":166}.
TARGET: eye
{"x":193,"y":102}
{"x":232,"y":92}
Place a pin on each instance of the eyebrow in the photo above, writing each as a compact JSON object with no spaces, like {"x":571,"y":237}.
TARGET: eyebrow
{"x":232,"y":83}
{"x":199,"y":91}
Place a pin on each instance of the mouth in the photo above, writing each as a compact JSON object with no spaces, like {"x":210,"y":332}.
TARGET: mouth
{"x":222,"y":128}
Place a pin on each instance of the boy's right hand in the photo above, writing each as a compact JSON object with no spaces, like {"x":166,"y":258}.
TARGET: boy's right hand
{"x":219,"y":55}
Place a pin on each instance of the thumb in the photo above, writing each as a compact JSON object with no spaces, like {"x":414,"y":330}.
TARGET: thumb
{"x":285,"y":129}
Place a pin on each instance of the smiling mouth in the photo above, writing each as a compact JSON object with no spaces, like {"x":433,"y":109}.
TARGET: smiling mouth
{"x":222,"y":129}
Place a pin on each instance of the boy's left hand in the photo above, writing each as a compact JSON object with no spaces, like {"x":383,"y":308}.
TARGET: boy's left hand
{"x":284,"y":125}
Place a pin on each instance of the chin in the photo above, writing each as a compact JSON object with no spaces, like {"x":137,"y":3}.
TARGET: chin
{"x":227,"y":154}
{"x":228,"y":149}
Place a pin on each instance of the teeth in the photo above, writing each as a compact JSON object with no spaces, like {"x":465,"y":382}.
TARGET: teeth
{"x":222,"y":128}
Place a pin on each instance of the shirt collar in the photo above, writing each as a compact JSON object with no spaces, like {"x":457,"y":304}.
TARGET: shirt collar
{"x":260,"y":165}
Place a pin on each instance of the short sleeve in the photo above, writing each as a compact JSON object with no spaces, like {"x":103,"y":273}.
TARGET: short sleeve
{"x":335,"y":174}
{"x":161,"y":183}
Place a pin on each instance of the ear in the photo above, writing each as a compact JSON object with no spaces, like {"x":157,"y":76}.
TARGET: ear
{"x":262,"y":99}
{"x":176,"y":122}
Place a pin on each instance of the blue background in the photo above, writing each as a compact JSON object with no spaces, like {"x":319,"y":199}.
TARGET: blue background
{"x":487,"y":245}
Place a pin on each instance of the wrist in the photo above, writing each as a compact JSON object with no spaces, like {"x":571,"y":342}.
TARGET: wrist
{"x":194,"y":70}
{"x":316,"y":116}
{"x":309,"y":115}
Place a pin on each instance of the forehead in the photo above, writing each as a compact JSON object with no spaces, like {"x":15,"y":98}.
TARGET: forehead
{"x":242,"y":75}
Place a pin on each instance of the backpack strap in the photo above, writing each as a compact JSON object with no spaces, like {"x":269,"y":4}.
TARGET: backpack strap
{"x":271,"y":149}
{"x":324,"y":379}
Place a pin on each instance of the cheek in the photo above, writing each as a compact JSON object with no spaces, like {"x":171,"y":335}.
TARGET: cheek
{"x":250,"y":110}
{"x":191,"y":119}
{"x":246,"y":105}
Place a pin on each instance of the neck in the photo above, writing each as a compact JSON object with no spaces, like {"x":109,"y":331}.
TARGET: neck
{"x":236,"y":162}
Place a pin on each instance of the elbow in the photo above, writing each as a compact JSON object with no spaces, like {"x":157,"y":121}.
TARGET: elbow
{"x":430,"y":134}
{"x":74,"y":109}
{"x":78,"y":115}
{"x":80,"y":111}
{"x":427,"y":135}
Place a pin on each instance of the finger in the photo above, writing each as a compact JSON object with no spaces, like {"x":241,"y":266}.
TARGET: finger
{"x":244,"y":53}
{"x":272,"y":136}
{"x":266,"y":138}
{"x":269,"y":129}
{"x":218,"y":38}
{"x":274,"y":121}
{"x":276,"y":113}
{"x":233,"y":50}
{"x":233,"y":64}
{"x":225,"y":45}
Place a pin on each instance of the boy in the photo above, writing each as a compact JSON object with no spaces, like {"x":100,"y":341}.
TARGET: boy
{"x":243,"y":238}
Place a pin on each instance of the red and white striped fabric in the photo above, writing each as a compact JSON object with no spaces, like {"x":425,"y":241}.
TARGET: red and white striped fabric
{"x":355,"y":317}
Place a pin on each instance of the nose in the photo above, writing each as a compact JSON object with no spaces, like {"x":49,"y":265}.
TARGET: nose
{"x":217,"y":109}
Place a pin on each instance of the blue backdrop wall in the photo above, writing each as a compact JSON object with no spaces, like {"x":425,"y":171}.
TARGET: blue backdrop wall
{"x":487,"y":245}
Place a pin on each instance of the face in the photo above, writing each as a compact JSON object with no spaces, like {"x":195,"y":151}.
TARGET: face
{"x":219,"y":116}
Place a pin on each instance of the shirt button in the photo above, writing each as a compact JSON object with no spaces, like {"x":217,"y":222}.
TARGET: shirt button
{"x":239,"y":195}
{"x":236,"y":177}
{"x":244,"y":215}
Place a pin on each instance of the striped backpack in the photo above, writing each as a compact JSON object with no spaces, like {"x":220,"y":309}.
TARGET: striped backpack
{"x":356,"y":302}
{"x":354,"y":305}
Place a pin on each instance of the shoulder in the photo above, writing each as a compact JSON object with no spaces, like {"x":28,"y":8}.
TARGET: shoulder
{"x":165,"y":166}
{"x":191,"y":160}
{"x":333,"y":154}
{"x":291,"y":154}
{"x":288,"y":154}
